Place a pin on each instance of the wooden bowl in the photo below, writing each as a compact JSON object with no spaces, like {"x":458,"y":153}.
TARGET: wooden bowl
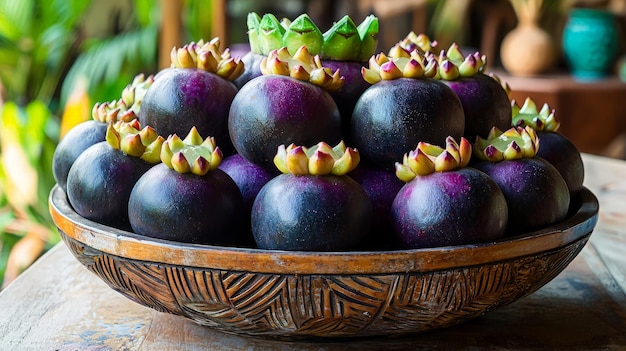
{"x":304,"y":295}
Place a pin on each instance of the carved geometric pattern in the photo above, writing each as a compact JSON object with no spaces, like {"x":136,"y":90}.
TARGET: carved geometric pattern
{"x":306,"y":306}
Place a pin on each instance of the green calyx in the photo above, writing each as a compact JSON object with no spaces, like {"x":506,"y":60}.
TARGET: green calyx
{"x":428,"y":158}
{"x":207,"y":57}
{"x":512,"y":144}
{"x":132,"y":140}
{"x":301,"y":66}
{"x":320,"y":159}
{"x":344,"y":41}
{"x":529,"y":115}
{"x":127,"y":107}
{"x":192,"y":154}
{"x":302,"y":32}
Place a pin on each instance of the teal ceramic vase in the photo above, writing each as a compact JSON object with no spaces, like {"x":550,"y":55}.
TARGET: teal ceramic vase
{"x":590,"y":43}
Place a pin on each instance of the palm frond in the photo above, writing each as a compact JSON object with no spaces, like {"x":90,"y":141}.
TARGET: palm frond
{"x":106,"y":60}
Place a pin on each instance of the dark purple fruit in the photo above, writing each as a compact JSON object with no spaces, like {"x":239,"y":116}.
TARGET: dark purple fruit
{"x":99,"y":184}
{"x":186,"y":207}
{"x":311,"y":213}
{"x":554,"y":147}
{"x":352,"y":89}
{"x":445,"y":202}
{"x":381,"y":186}
{"x":252,"y":62}
{"x":392,"y":116}
{"x":249,"y":177}
{"x":181,"y":98}
{"x":535,"y":191}
{"x":449,"y":208}
{"x":485,"y":104}
{"x":271,"y":110}
{"x":77,"y":140}
{"x":536,"y":194}
{"x":565,"y":157}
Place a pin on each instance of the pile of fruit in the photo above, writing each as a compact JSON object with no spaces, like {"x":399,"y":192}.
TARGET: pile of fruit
{"x":313,"y":141}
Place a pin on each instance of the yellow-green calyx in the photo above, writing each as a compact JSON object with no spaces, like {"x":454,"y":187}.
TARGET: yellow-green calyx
{"x":413,"y":42}
{"x":344,"y":41}
{"x":207,"y":57}
{"x":127,"y":107}
{"x":132,"y":140}
{"x":514,"y":143}
{"x":451,"y":64}
{"x":320,"y":159}
{"x":192,"y":154}
{"x":529,"y":115}
{"x":428,"y":158}
{"x":302,"y":66}
{"x":383,"y":67}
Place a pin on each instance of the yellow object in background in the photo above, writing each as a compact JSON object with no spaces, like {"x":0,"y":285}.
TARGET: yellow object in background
{"x":77,"y":109}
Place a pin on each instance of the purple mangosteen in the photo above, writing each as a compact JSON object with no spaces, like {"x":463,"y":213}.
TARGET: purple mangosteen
{"x":100,"y":181}
{"x":195,"y":92}
{"x":314,"y":205}
{"x":249,"y":177}
{"x":535,"y":191}
{"x":554,"y":146}
{"x":403,"y":107}
{"x":289,"y":103}
{"x":485,"y":100}
{"x":344,"y":47}
{"x":444,"y":202}
{"x":187,"y":198}
{"x":88,"y":133}
{"x":381,"y":186}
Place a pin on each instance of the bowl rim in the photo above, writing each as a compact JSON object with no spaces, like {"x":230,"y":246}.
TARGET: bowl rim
{"x":132,"y":246}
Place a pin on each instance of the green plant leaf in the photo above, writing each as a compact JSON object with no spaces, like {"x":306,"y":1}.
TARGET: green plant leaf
{"x":110,"y":60}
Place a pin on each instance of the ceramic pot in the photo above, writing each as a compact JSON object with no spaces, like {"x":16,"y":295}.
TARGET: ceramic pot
{"x":527,"y":50}
{"x":590,"y":43}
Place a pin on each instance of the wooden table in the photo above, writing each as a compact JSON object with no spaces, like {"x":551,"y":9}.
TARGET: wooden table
{"x":58,"y":304}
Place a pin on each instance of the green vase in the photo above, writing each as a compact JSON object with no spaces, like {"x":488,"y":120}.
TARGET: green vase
{"x":590,"y":43}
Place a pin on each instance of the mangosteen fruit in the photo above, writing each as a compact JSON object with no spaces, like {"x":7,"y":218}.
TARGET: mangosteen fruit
{"x":536,"y":193}
{"x":249,"y":177}
{"x":485,"y":101}
{"x":313,"y":205}
{"x":101,"y":179}
{"x":289,"y":103}
{"x":444,"y":202}
{"x":187,"y":198}
{"x":77,"y":140}
{"x":195,"y":92}
{"x":88,"y":133}
{"x":381,"y":186}
{"x":344,"y":47}
{"x":554,"y":146}
{"x":403,"y":107}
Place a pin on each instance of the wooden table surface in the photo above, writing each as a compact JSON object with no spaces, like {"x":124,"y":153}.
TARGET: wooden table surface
{"x":57,"y":304}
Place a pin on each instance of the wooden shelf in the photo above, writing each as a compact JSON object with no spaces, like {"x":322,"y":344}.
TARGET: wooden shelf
{"x":591,"y":113}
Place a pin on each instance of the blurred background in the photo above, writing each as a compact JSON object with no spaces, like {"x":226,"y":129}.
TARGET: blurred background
{"x":59,"y":57}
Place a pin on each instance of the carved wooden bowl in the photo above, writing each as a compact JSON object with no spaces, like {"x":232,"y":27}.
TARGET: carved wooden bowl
{"x":303,"y":295}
